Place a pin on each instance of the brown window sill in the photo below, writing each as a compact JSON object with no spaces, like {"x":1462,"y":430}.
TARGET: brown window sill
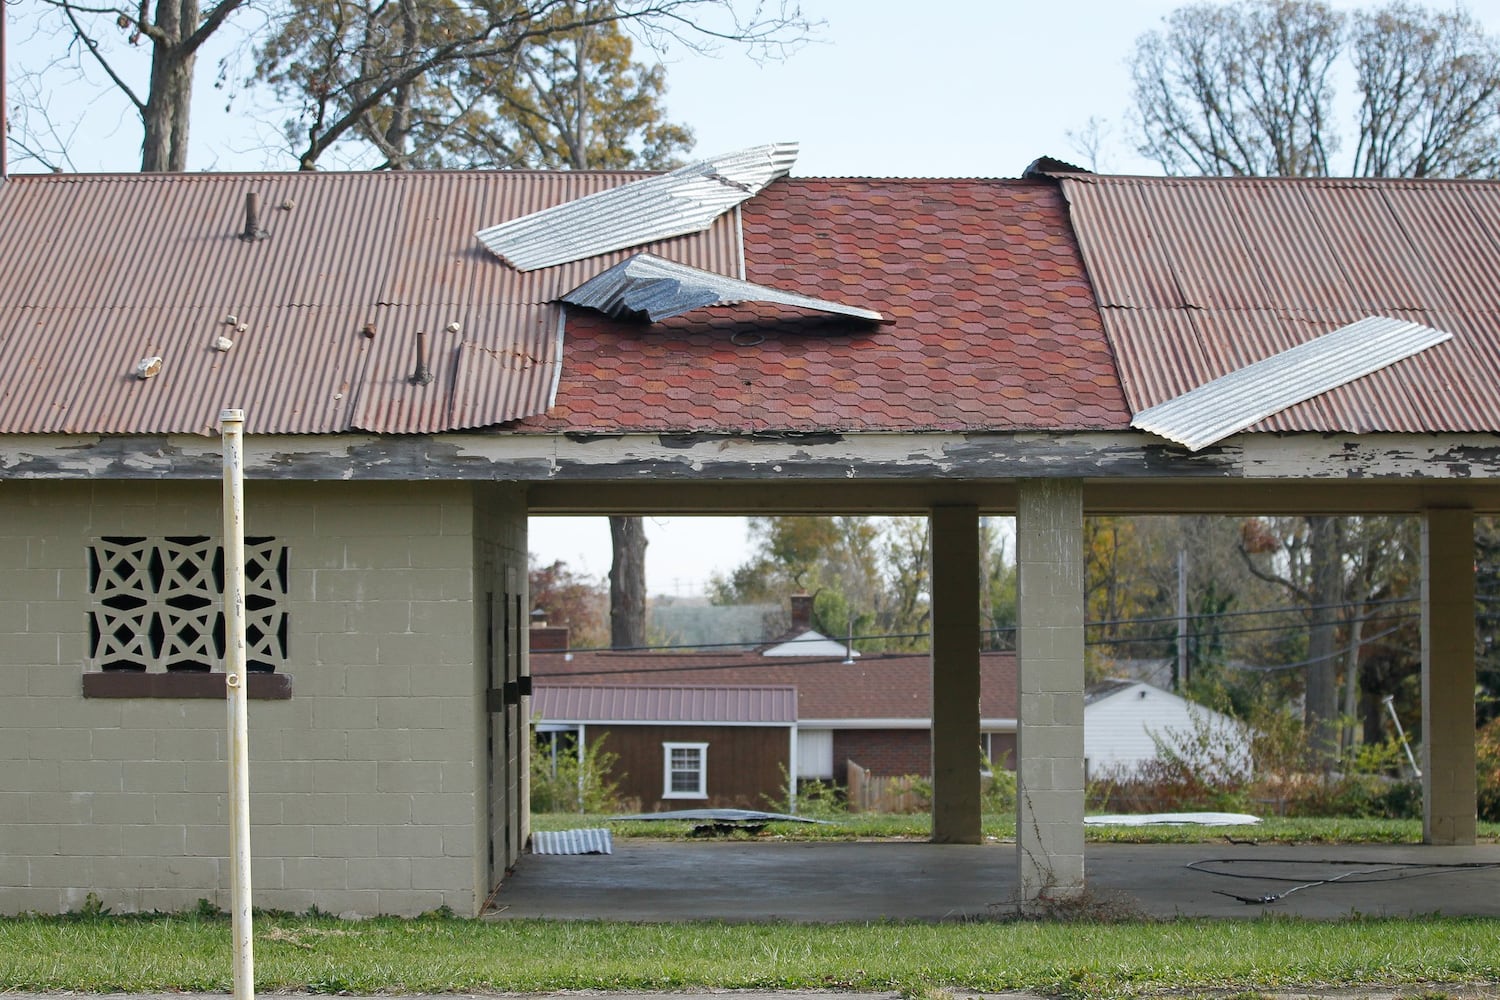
{"x":127,"y":684}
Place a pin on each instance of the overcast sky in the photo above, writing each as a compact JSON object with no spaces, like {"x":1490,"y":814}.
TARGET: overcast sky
{"x":945,"y":88}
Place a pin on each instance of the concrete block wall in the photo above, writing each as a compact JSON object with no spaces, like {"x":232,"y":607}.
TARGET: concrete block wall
{"x":363,"y":784}
{"x":1049,"y":739}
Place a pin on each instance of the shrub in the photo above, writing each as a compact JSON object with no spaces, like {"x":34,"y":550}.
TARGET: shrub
{"x":1487,"y":751}
{"x":565,"y":784}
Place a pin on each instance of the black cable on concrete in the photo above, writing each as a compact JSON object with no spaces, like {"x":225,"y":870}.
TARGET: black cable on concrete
{"x":1402,"y":870}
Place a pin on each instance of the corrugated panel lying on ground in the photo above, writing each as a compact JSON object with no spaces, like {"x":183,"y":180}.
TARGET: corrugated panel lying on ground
{"x":602,"y":703}
{"x":1199,"y":277}
{"x":590,"y":841}
{"x":686,"y":200}
{"x":1231,"y":403}
{"x":102,"y":271}
{"x":657,"y":289}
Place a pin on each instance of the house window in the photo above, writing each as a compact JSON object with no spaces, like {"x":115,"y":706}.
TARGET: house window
{"x":156,"y":610}
{"x":685,"y":768}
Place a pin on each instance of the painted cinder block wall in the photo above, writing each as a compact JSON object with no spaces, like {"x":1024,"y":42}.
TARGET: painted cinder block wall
{"x":364,"y":786}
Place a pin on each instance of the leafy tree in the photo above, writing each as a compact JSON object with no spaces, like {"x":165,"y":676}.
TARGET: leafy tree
{"x":871,"y":575}
{"x":569,"y":598}
{"x":498,"y":83}
{"x":421,"y":82}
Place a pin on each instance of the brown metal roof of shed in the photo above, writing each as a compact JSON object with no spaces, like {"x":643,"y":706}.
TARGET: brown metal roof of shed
{"x":746,"y":706}
{"x":1197,"y":277}
{"x":102,"y":271}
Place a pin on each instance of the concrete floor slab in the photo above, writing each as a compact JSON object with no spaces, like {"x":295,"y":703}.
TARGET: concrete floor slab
{"x":821,"y":882}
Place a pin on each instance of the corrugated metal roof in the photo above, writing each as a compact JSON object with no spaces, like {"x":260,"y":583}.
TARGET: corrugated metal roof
{"x":686,"y":200}
{"x":102,"y":271}
{"x":648,"y":286}
{"x":1198,"y":277}
{"x":704,"y":704}
{"x":1228,"y":404}
{"x":877,"y":686}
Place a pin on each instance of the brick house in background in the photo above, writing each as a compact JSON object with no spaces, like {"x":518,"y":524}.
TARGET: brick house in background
{"x":873,"y":710}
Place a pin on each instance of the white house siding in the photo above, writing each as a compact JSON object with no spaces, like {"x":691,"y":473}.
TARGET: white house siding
{"x":363,"y":784}
{"x":1118,"y":729}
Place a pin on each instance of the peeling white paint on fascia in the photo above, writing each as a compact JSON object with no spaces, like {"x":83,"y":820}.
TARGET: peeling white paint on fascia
{"x":1096,"y":457}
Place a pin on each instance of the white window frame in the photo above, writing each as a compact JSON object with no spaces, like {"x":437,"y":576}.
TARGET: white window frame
{"x":666,"y":771}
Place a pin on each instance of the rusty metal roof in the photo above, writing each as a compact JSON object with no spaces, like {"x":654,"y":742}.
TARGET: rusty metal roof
{"x":658,"y":289}
{"x":103,"y":271}
{"x":1199,"y":277}
{"x":748,"y":706}
{"x":685,"y":200}
{"x":1230,"y":403}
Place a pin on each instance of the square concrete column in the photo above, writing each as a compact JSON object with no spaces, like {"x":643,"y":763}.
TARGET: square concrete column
{"x":1049,"y":737}
{"x":955,"y":675}
{"x":1449,"y":808}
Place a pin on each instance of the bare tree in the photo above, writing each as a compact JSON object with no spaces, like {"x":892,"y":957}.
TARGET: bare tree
{"x":171,"y":33}
{"x":627,"y":583}
{"x":1429,"y":84}
{"x":1247,"y":89}
{"x":1242,"y":89}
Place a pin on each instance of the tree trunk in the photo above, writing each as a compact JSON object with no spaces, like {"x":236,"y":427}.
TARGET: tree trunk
{"x":1321,"y":707}
{"x":1351,"y":678}
{"x":170,"y":102}
{"x":627,"y":583}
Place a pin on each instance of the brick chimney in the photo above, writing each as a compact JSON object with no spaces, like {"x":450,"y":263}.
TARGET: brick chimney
{"x":547,"y":638}
{"x":802,"y":611}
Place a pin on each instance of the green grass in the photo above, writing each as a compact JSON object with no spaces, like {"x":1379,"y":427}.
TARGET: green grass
{"x":1065,"y":958}
{"x":867,"y":826}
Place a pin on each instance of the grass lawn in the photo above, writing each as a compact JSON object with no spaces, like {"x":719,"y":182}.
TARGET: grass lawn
{"x":1080,"y":954}
{"x":1064,"y":958}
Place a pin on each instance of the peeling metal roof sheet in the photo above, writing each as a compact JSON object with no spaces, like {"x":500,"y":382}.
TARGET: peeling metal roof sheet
{"x":1212,"y":412}
{"x":102,"y":271}
{"x":647,"y":704}
{"x":686,"y":200}
{"x":657,"y":289}
{"x":1197,"y":278}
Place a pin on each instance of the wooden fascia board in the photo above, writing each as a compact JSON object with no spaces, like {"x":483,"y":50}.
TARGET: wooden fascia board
{"x":1124,"y":471}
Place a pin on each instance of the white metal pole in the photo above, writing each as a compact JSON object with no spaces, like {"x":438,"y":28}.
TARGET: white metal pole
{"x":236,"y":694}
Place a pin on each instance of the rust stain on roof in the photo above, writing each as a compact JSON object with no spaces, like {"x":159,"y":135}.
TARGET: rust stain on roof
{"x":102,"y":271}
{"x":1199,"y":277}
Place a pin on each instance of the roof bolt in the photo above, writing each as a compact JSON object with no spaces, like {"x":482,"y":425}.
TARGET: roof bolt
{"x":423,"y":374}
{"x":455,"y":326}
{"x":222,"y":343}
{"x":148,"y":367}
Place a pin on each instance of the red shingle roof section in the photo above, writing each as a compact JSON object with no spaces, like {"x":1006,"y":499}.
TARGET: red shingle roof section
{"x":876,"y":686}
{"x":994,"y":323}
{"x":1199,"y":277}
